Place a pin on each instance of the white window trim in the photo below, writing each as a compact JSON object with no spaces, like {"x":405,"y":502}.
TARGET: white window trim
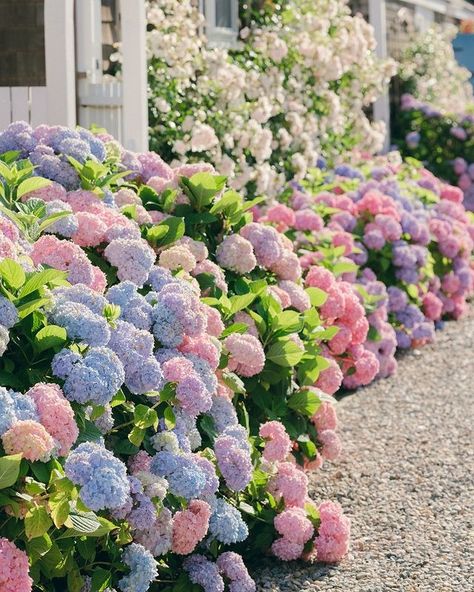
{"x":220,"y":36}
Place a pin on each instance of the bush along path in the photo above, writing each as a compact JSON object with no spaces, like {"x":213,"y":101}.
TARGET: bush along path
{"x":169,"y":352}
{"x":405,"y":478}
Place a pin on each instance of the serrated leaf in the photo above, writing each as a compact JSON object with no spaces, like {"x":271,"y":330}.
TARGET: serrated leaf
{"x":305,"y":402}
{"x":12,"y":273}
{"x":31,"y":184}
{"x":37,"y":522}
{"x":285,"y":353}
{"x":50,"y":336}
{"x":317,"y":297}
{"x":9,"y":470}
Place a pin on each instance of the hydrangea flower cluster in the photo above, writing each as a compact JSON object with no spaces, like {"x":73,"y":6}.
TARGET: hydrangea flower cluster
{"x":38,"y":424}
{"x":14,"y":576}
{"x":101,"y":476}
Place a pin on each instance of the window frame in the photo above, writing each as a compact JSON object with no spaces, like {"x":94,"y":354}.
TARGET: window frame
{"x":220,"y":36}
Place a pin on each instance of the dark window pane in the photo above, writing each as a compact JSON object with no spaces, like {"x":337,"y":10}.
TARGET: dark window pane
{"x":224,"y":13}
{"x":22,"y":59}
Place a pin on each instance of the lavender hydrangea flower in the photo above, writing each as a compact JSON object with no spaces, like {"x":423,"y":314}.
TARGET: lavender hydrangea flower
{"x":204,"y":573}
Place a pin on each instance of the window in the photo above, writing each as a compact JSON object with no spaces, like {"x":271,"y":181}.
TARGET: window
{"x":22,"y":47}
{"x":222,"y":18}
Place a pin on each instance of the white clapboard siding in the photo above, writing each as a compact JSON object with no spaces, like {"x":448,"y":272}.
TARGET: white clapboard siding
{"x":101,"y":105}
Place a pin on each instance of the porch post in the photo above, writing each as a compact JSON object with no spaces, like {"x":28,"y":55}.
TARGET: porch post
{"x":134,"y":75}
{"x":60,"y":63}
{"x":378,"y":19}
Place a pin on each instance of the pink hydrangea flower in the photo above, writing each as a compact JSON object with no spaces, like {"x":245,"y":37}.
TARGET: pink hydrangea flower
{"x":91,"y":230}
{"x":287,"y":550}
{"x":236,"y":253}
{"x":246,"y":319}
{"x":65,"y":256}
{"x":247,"y":357}
{"x":332,"y":542}
{"x":282,"y":297}
{"x":282,"y":216}
{"x":452,"y":193}
{"x":331,"y":444}
{"x":325,"y":417}
{"x":298,"y":297}
{"x":29,"y":438}
{"x":14,"y":568}
{"x":210,"y":267}
{"x":139,"y":462}
{"x":197,"y":248}
{"x":291,"y":484}
{"x":55,"y":414}
{"x":432,"y":306}
{"x":330,"y":379}
{"x":266,"y":242}
{"x":203,"y":347}
{"x":306,"y":219}
{"x":190,"y":526}
{"x":278,"y":443}
{"x":215,"y":326}
{"x":9,"y":230}
{"x":287,"y":267}
{"x":293,"y":525}
{"x":320,"y":277}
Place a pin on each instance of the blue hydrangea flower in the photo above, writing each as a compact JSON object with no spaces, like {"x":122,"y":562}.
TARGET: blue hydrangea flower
{"x":101,"y":476}
{"x":66,"y":226}
{"x":94,"y":378}
{"x":143,"y":569}
{"x":81,"y":294}
{"x":186,"y":479}
{"x":15,"y":407}
{"x":226,"y":523}
{"x":96,"y":145}
{"x":80,"y":323}
{"x":8,"y":313}
{"x":133,"y":307}
{"x":159,"y":277}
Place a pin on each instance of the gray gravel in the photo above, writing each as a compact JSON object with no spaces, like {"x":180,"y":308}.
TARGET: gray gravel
{"x":406,"y":479}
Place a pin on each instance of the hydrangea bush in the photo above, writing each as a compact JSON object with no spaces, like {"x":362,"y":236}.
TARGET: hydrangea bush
{"x":169,"y":352}
{"x":159,"y":359}
{"x":435,"y":124}
{"x":396,"y":233}
{"x":296,"y":85}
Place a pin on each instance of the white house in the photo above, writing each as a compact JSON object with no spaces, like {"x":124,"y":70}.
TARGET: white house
{"x":51,"y":57}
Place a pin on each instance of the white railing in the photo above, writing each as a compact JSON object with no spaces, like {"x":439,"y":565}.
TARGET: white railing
{"x":101,"y":104}
{"x":23,"y":103}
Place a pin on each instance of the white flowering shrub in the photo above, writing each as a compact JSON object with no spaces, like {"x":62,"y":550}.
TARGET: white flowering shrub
{"x":297,"y":87}
{"x":432,"y":74}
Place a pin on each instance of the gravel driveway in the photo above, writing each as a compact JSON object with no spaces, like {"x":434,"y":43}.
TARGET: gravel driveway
{"x":406,"y":479}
